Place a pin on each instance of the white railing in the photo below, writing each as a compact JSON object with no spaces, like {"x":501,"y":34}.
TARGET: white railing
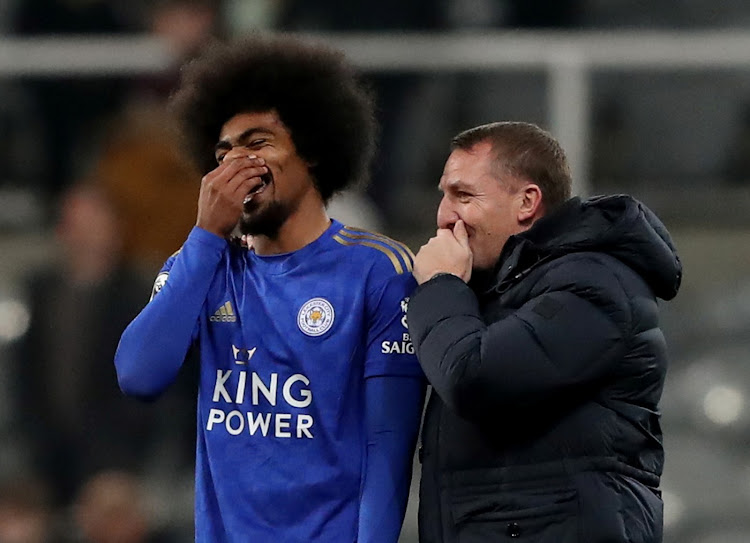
{"x":567,"y":57}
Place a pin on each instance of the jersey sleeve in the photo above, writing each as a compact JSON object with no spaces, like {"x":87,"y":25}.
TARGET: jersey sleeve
{"x":394,"y":393}
{"x":393,"y":409}
{"x":154,"y":346}
{"x":389,"y":347}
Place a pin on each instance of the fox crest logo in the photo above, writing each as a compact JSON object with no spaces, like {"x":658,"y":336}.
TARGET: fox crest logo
{"x":315,"y":317}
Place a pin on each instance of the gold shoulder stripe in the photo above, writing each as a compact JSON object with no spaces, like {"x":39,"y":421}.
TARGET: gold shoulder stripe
{"x":388,"y":252}
{"x":382,"y":237}
{"x":400,"y":248}
{"x":385,"y":244}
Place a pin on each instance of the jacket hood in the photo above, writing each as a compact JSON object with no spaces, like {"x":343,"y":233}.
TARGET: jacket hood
{"x":620,"y":226}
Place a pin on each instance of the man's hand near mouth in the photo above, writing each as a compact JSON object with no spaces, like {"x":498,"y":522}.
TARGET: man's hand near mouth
{"x":225,"y":190}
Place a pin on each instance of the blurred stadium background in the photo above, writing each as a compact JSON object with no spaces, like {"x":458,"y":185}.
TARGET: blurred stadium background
{"x":649,"y":98}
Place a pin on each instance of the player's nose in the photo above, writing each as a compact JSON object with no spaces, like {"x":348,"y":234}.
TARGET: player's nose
{"x":237,"y":151}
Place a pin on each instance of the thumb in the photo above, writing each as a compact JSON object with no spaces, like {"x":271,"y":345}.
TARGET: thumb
{"x":459,"y":230}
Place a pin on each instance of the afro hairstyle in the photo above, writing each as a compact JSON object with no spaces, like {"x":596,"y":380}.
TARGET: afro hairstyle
{"x":315,"y":92}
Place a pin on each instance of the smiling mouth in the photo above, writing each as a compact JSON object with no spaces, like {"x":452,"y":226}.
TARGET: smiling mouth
{"x":265,"y":180}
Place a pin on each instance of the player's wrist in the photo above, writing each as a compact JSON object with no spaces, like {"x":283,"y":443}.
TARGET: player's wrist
{"x":213,"y":228}
{"x":206,"y":233}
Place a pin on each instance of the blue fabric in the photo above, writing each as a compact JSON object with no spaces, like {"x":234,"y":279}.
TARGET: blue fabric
{"x":290,"y":347}
{"x":393,"y":408}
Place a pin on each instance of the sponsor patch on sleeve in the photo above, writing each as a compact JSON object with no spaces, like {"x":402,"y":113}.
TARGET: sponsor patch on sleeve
{"x":160,"y":281}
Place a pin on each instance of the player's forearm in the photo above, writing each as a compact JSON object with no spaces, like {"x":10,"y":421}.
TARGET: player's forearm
{"x":153,"y":347}
{"x":393,"y":412}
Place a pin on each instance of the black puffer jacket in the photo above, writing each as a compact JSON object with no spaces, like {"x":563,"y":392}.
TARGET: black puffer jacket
{"x":543,"y":422}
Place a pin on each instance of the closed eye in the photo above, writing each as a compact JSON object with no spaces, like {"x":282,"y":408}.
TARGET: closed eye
{"x":256,"y":143}
{"x":253,"y":144}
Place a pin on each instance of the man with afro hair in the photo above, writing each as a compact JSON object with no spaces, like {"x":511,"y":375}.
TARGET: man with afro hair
{"x":310,"y":395}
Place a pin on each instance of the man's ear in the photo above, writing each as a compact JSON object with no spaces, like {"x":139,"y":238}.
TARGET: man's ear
{"x":531,"y":206}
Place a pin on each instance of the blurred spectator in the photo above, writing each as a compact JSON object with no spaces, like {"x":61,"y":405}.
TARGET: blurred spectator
{"x":152,"y":186}
{"x":111,"y":508}
{"x":68,"y":406}
{"x":26,"y":515}
{"x":185,"y":26}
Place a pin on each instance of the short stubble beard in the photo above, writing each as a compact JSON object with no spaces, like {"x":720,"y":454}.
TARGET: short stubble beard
{"x":265,"y":222}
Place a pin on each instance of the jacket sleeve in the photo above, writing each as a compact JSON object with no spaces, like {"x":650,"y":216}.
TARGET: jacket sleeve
{"x":154,"y":345}
{"x":564,"y":339}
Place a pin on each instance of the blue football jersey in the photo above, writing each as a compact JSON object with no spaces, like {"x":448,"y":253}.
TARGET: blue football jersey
{"x":286,"y":342}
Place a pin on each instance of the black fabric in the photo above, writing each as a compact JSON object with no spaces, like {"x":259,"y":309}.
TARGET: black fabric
{"x":543,"y":422}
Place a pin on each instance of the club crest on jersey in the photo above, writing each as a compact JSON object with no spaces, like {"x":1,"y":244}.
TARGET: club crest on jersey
{"x":315,"y":317}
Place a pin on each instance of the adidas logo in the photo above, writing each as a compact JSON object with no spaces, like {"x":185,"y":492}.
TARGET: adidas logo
{"x":224,"y":314}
